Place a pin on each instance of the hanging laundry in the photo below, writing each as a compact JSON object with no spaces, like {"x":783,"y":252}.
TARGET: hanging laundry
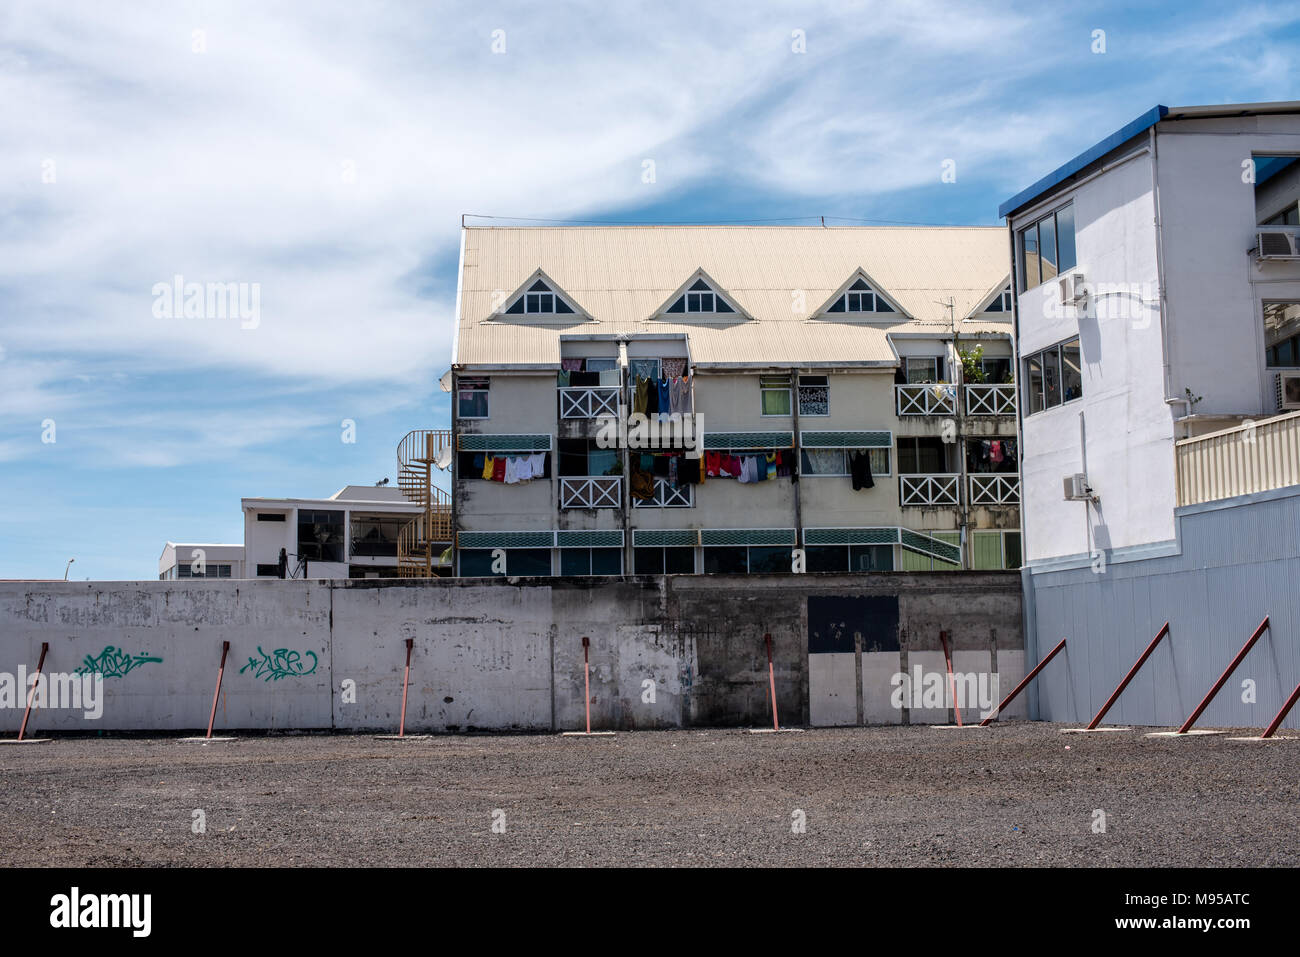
{"x":672,"y":368}
{"x":651,"y":397}
{"x":665,"y":396}
{"x":584,"y":379}
{"x":512,"y":470}
{"x":499,"y":469}
{"x":563,"y":378}
{"x":860,"y":470}
{"x":642,"y":486}
{"x":571,"y":365}
{"x":640,"y":395}
{"x":488,"y":467}
{"x":995,"y":452}
{"x":712,"y":464}
{"x":673,"y":469}
{"x":477,"y":463}
{"x":680,"y":394}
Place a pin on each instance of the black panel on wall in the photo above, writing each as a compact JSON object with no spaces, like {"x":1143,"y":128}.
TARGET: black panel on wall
{"x":833,"y":619}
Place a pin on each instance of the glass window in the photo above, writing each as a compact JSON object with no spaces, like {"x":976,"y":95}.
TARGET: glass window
{"x":1071,"y":371}
{"x":472,"y":399}
{"x":1065,"y":238}
{"x":1011,"y":549}
{"x":814,"y":395}
{"x":775,"y":392}
{"x":528,"y":561}
{"x":725,"y":560}
{"x":679,"y":560}
{"x":996,"y":370}
{"x":1052,"y":376}
{"x":1281,"y":334}
{"x":921,"y":456}
{"x":923,"y":369}
{"x":871,"y":558}
{"x":769,"y":560}
{"x":648,"y":561}
{"x":1029,"y":257}
{"x":320,"y":535}
{"x":823,"y":462}
{"x":575,"y":561}
{"x":1047,"y":248}
{"x":601,"y":364}
{"x":474,"y":563}
{"x":827,"y":558}
{"x":1034,"y":383}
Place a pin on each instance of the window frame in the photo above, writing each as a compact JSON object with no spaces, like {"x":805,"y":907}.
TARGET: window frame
{"x":474,"y":385}
{"x":768,"y":383}
{"x":1022,"y":263}
{"x":1038,"y":399}
{"x":800,"y":385}
{"x":844,"y":451}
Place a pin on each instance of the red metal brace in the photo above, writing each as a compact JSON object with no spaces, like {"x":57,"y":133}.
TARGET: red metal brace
{"x":1290,"y":703}
{"x":952,"y":683}
{"x":1223,"y":678}
{"x":406,"y":680}
{"x":771,"y":680}
{"x":225,"y":647}
{"x":45,"y":646}
{"x":1164,"y":630}
{"x":1023,"y":682}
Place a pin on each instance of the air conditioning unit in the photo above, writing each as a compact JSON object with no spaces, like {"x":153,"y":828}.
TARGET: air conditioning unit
{"x":1072,"y":288}
{"x":1288,"y":390}
{"x":1275,"y":244}
{"x":1076,"y":488}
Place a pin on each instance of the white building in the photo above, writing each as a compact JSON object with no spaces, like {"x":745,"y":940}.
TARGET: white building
{"x":1147,"y":313}
{"x":351,"y":534}
{"x":1158,"y":342}
{"x":200,"y":561}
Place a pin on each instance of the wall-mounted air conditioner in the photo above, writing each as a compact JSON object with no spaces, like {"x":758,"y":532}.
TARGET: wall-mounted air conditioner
{"x":1276,"y":244}
{"x":1288,"y":390}
{"x":1077,"y":489}
{"x":1072,"y":288}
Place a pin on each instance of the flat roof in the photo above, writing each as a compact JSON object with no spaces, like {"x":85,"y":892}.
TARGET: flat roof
{"x":1125,"y":133}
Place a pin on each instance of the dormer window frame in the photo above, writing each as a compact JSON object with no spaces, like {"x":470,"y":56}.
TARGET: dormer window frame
{"x":861,"y":298}
{"x":540,"y":298}
{"x":698,"y":299}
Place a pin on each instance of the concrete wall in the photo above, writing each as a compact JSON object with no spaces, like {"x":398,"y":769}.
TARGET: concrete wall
{"x":491,"y":654}
{"x":1239,"y":561}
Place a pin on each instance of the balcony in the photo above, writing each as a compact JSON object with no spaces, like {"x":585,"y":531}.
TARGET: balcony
{"x":668,"y":497}
{"x":933,"y":399}
{"x":591,"y":491}
{"x":985,"y":399}
{"x":993,"y":488}
{"x":588,"y":402}
{"x":929,"y":490}
{"x":1253,"y":457}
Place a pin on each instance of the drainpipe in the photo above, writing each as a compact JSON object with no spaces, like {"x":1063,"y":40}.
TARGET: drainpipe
{"x":1162,"y":302}
{"x":624,"y":383}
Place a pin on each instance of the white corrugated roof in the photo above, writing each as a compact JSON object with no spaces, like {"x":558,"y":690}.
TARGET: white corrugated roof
{"x":622,"y":276}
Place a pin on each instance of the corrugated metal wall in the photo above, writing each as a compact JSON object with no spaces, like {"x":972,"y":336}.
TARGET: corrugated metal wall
{"x":1239,"y":562}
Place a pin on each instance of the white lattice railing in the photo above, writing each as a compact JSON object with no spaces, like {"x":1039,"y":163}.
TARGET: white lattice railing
{"x":591,"y":491}
{"x":940,"y":399}
{"x":985,"y":399}
{"x":588,"y":402}
{"x":668,"y":497}
{"x":929,"y":489}
{"x":994,"y":488}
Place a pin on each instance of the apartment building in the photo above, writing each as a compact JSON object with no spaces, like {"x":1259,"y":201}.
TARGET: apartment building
{"x":822,"y":399}
{"x":197,"y":560}
{"x":1157,"y":306}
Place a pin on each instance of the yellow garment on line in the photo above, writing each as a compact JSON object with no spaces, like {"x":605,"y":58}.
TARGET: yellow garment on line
{"x":487,"y":467}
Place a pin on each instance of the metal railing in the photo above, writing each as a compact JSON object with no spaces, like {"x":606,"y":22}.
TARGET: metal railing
{"x":925,"y":490}
{"x":931,"y":399}
{"x":993,"y":488}
{"x":591,"y":491}
{"x":666,"y":496}
{"x":1253,"y":457}
{"x":991,"y":399}
{"x":588,"y":402}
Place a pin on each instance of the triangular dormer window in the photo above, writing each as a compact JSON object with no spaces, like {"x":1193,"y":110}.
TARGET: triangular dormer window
{"x":1001,"y":302}
{"x":699,"y":298}
{"x":539,"y":300}
{"x":860,"y":297}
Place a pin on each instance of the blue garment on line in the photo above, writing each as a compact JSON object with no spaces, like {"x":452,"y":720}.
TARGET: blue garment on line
{"x":665,"y":400}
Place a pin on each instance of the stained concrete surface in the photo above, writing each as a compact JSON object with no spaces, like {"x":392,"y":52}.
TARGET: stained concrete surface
{"x":1017,"y":794}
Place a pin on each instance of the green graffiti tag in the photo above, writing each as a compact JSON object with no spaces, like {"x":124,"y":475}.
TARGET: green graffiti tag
{"x":114,"y":663}
{"x":282,"y":663}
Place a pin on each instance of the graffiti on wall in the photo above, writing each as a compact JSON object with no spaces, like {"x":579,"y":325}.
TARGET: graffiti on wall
{"x":281,"y":663}
{"x":114,"y":662}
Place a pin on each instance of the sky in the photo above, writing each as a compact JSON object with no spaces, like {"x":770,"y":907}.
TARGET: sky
{"x":320,"y":156}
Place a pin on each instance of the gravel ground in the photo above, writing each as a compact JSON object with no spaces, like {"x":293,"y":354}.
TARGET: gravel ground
{"x":1016,"y":794}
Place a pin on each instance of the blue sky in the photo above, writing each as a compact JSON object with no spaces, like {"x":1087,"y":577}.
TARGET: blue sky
{"x":326,"y":151}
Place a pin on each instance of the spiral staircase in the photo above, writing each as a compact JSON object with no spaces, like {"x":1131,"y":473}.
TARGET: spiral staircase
{"x":421,"y":543}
